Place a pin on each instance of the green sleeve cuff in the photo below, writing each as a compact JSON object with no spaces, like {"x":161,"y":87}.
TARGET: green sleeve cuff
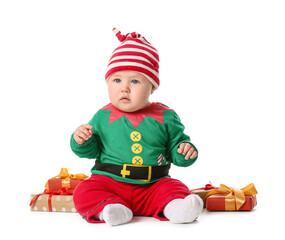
{"x":89,"y":149}
{"x":74,"y":144}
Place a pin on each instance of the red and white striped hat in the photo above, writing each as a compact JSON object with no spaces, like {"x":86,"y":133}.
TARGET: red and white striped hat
{"x":136,"y":54}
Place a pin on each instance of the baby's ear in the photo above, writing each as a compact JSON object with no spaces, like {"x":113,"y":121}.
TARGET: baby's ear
{"x":152,"y":90}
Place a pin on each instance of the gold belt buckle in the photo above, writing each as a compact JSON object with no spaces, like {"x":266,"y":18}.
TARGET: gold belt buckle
{"x":125,"y":172}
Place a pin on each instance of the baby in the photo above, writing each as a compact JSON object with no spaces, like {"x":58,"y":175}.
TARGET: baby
{"x":134,"y":143}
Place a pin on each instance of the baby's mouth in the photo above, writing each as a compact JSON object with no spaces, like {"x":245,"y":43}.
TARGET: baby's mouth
{"x":125,"y":99}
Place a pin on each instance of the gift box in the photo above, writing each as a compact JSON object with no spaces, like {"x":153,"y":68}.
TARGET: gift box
{"x":56,"y":184}
{"x":202,"y":192}
{"x":64,"y":180}
{"x":231,"y":199}
{"x":59,"y":201}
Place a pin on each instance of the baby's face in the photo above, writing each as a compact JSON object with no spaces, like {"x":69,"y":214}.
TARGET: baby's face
{"x":129,"y":91}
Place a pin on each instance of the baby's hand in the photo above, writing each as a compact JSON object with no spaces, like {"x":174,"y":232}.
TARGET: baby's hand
{"x":188,"y":150}
{"x":83,"y":133}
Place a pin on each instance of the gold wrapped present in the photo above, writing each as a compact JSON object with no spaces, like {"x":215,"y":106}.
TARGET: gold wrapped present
{"x":53,"y":201}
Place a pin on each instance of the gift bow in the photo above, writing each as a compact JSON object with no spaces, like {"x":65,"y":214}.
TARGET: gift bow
{"x":208,"y":186}
{"x":67,"y":177}
{"x":234,"y":198}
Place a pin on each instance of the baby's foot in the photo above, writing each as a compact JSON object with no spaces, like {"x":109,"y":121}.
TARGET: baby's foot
{"x":184,"y":210}
{"x":115,"y":214}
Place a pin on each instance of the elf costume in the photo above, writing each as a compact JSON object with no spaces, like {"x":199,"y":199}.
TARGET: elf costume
{"x":133,"y":150}
{"x":148,"y":137}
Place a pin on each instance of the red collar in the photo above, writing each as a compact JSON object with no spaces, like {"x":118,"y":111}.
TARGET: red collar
{"x":155,"y":111}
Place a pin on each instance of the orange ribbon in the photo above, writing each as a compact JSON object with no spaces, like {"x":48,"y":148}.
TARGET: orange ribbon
{"x":66,"y":177}
{"x":234,"y":198}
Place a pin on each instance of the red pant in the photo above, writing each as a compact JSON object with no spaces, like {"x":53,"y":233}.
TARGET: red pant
{"x":93,"y":194}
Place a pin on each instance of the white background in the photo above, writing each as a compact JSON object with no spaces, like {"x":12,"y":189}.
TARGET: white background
{"x":221,"y":69}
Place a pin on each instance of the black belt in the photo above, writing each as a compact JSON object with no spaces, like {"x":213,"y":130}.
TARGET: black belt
{"x":144,"y":173}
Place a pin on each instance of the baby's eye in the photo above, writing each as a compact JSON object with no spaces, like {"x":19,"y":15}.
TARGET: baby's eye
{"x":135,"y":81}
{"x":117,"y":80}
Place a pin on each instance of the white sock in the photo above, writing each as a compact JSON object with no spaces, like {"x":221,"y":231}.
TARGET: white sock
{"x":183,"y":210}
{"x":115,"y":214}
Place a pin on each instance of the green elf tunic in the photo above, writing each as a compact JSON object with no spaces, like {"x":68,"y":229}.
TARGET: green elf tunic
{"x":149,"y":136}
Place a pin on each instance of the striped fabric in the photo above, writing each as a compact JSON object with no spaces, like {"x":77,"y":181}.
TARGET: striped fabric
{"x":137,"y":54}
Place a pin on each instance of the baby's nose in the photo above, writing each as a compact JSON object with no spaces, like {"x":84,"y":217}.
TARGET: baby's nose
{"x":125,"y":88}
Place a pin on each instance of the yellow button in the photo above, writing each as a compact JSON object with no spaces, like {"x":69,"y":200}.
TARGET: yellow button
{"x":137,"y":160}
{"x":136,"y":148}
{"x":136,"y":136}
